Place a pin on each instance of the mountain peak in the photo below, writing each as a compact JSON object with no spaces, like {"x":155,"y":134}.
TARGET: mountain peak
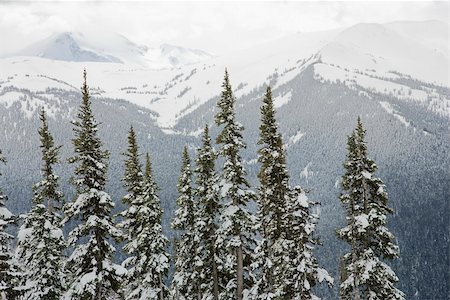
{"x":66,"y":46}
{"x":110,"y":47}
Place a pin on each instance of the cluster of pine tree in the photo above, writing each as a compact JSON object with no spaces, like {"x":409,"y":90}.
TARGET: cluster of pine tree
{"x":225,"y":248}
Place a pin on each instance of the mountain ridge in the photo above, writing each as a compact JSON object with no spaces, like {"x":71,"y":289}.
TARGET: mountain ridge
{"x":110,"y":48}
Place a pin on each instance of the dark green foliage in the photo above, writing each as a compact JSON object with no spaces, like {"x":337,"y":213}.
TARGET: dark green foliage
{"x":93,"y":275}
{"x":133,"y":171}
{"x":285,"y":266}
{"x":273,"y":197}
{"x":47,"y":191}
{"x":186,"y":281}
{"x":41,"y":243}
{"x":148,"y":262}
{"x":237,"y":224}
{"x":363,"y":274}
{"x":208,"y":206}
{"x":91,"y":160}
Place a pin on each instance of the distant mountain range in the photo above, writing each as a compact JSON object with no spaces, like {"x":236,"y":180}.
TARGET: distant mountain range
{"x":395,"y":76}
{"x":110,"y":47}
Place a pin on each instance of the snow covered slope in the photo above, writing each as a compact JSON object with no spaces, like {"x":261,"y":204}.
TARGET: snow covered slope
{"x":409,"y":59}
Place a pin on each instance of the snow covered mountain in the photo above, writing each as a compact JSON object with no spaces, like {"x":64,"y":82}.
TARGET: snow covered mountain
{"x":67,"y":46}
{"x":110,"y":47}
{"x":377,"y":57}
{"x":395,"y":76}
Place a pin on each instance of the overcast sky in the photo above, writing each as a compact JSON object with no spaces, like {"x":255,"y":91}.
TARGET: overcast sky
{"x":217,"y":27}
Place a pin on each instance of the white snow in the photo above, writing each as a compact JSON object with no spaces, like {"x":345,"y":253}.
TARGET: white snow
{"x":366,"y":174}
{"x":323,"y":274}
{"x":225,"y":187}
{"x":303,"y":200}
{"x":282,"y":100}
{"x":355,"y":55}
{"x":296,"y":137}
{"x":389,"y":109}
{"x":5,"y":214}
{"x":306,"y":173}
{"x":23,"y":233}
{"x":362,"y":221}
{"x":110,"y":47}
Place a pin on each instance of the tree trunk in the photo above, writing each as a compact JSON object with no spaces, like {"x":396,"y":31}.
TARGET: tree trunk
{"x":161,"y":288}
{"x":355,"y":295}
{"x":215,"y":274}
{"x":239,"y":273}
{"x":99,"y":258}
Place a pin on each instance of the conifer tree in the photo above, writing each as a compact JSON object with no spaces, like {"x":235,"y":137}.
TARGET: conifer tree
{"x":186,"y":280}
{"x":301,"y":271}
{"x":207,"y":197}
{"x":41,"y":243}
{"x":236,"y":232}
{"x":7,"y":263}
{"x":285,"y":266}
{"x":364,"y":274}
{"x":148,"y":263}
{"x":272,"y":199}
{"x":133,"y":183}
{"x":93,"y":273}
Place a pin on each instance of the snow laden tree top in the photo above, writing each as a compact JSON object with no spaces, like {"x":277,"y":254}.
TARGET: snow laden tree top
{"x":41,"y":243}
{"x":148,"y":262}
{"x":46,"y":191}
{"x":133,"y":178}
{"x":133,"y":183}
{"x":208,"y":205}
{"x":284,"y":266}
{"x":93,"y":273}
{"x":186,"y":280}
{"x":237,"y":225}
{"x":91,"y":169}
{"x":364,"y":274}
{"x":273,"y":175}
{"x":272,"y":199}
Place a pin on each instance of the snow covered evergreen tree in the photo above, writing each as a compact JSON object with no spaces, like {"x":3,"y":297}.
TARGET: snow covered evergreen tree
{"x":41,"y":244}
{"x":93,"y":274}
{"x":236,"y":233}
{"x":302,"y":271}
{"x":186,"y":279}
{"x":285,"y":267}
{"x":133,"y":183}
{"x":208,"y":205}
{"x":146,"y":244}
{"x":272,"y":200}
{"x":7,"y":263}
{"x":364,"y":274}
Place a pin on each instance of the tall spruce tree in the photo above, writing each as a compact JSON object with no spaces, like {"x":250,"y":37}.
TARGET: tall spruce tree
{"x":236,"y":233}
{"x":208,"y":205}
{"x":93,"y":272}
{"x":8,"y":281}
{"x":285,"y":267}
{"x":146,"y":244}
{"x":186,"y":280}
{"x":41,"y":244}
{"x":364,"y":274}
{"x":272,"y":200}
